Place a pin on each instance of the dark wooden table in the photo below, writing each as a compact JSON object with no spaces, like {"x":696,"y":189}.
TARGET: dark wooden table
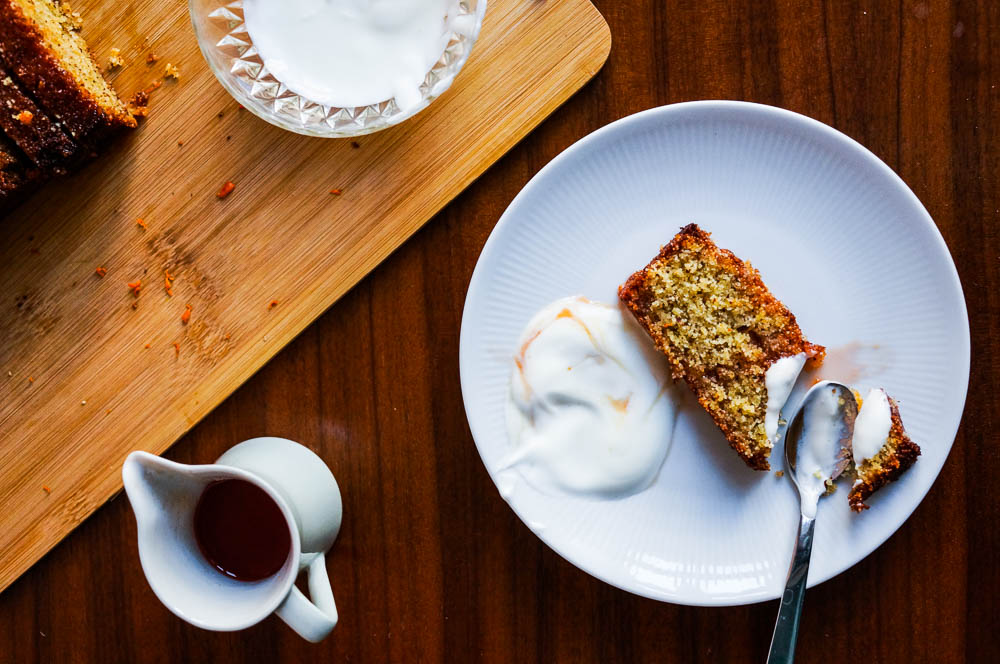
{"x":431,"y":565}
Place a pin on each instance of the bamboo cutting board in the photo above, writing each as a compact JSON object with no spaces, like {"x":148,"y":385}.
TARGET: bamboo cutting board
{"x":88,"y":372}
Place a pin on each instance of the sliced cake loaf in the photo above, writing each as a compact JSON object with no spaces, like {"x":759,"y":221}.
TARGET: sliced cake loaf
{"x":17,"y":176}
{"x":721,"y":330}
{"x":49,"y":59}
{"x":31,"y":129}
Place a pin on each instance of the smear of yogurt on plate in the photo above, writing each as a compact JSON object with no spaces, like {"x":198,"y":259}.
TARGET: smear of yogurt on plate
{"x":591,"y":407}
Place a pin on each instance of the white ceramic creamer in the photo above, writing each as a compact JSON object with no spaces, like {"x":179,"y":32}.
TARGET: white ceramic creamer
{"x":164,"y":495}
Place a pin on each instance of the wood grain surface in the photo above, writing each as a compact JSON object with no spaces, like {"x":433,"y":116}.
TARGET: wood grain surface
{"x":93,"y":372}
{"x":431,"y":565}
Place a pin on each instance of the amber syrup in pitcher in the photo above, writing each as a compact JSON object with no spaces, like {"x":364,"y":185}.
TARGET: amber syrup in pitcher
{"x":241,"y":531}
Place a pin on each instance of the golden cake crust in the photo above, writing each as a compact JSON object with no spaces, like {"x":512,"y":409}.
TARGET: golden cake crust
{"x":721,"y":329}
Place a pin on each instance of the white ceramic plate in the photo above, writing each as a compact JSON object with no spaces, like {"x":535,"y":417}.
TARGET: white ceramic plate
{"x":836,"y":235}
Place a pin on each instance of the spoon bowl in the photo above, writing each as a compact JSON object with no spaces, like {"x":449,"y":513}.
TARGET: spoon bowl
{"x":817,"y":450}
{"x":818,"y":440}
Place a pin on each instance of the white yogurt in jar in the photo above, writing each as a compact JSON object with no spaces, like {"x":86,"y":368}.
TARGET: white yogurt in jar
{"x":591,"y":407}
{"x":349,"y":53}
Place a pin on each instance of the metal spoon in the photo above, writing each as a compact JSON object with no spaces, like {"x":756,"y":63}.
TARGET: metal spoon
{"x":817,"y":447}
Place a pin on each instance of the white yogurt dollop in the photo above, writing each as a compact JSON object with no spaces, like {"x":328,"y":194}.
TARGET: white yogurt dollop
{"x":871,"y":428}
{"x":779,"y":379}
{"x":591,"y":407}
{"x":350,"y":52}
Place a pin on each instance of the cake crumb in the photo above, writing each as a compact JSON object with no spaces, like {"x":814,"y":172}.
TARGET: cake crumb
{"x":151,"y":58}
{"x":83,"y":402}
{"x":138,"y":105}
{"x":115,"y":61}
{"x":171,"y":71}
{"x":70,"y":19}
{"x":779,"y":473}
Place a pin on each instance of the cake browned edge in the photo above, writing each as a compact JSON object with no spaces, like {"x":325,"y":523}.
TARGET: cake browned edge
{"x":56,"y":90}
{"x":635,"y":297}
{"x":903,"y":456}
{"x":37,"y":136}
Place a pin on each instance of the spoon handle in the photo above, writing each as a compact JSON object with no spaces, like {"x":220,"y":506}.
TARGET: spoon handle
{"x":786,"y":629}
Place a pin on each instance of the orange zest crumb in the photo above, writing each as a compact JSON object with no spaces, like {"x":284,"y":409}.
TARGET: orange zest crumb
{"x":135,"y":287}
{"x":147,"y":345}
{"x":273,"y":304}
{"x":186,"y":316}
{"x":227,"y":337}
{"x":140,"y":222}
{"x":100,"y":271}
{"x":31,"y":379}
{"x":155,"y":84}
{"x":168,"y":283}
{"x":151,"y":57}
{"x":177,"y":349}
{"x":336,"y":192}
{"x":25,"y":117}
{"x":226,"y":189}
{"x":46,"y":488}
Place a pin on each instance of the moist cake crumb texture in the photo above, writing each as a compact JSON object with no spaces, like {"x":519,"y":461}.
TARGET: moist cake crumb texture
{"x":895,"y":457}
{"x":712,"y":316}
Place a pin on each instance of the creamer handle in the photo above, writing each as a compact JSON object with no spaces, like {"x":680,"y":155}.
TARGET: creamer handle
{"x":312,"y":619}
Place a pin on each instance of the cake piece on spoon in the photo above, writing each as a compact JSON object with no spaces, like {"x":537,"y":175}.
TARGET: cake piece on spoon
{"x":881,"y":449}
{"x":737,"y":347}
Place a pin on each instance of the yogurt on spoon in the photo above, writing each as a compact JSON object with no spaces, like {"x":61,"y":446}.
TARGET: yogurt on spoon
{"x":347,"y":53}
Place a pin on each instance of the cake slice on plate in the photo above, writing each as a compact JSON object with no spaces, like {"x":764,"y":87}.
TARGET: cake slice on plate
{"x":881,"y":449}
{"x":737,"y":347}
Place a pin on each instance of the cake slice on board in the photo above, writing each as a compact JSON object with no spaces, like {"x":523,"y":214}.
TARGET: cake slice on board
{"x":32,"y":130}
{"x":44,"y":52}
{"x":737,"y":347}
{"x":17,"y":176}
